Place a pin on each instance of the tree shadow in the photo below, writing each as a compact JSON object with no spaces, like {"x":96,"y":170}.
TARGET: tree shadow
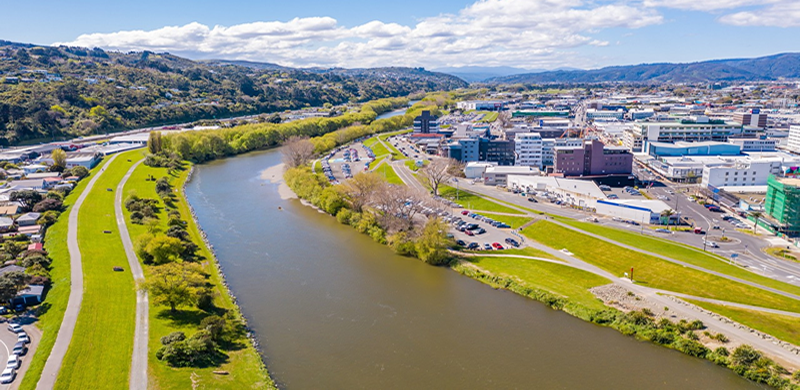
{"x":182,"y":317}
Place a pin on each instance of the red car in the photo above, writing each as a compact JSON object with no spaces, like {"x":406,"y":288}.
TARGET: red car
{"x":469,"y":233}
{"x":464,"y":212}
{"x":497,"y":246}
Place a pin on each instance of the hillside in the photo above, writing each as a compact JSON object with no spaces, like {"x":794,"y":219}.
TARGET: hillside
{"x":53,"y":92}
{"x":763,"y":68}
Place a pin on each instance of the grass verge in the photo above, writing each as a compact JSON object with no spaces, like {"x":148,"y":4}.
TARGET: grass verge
{"x":243,"y":363}
{"x":101,"y":347}
{"x":51,"y":312}
{"x":387,"y":172}
{"x":527,"y":251}
{"x":783,"y":327}
{"x":680,"y":252}
{"x":471,"y":201}
{"x":653,"y":272}
{"x":514,"y":222}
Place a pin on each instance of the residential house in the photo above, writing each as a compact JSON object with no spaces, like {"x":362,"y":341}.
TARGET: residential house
{"x":31,"y":295}
{"x":28,"y":219}
{"x":6,"y":223}
{"x":11,"y":209}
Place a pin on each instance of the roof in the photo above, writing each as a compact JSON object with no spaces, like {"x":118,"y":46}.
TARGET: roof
{"x":29,"y":216}
{"x":29,"y":229}
{"x":11,"y":268}
{"x":32,"y":290}
{"x":27,"y":183}
{"x":9,"y":210}
{"x":42,"y":175}
{"x":511,"y":170}
{"x":36,"y":246}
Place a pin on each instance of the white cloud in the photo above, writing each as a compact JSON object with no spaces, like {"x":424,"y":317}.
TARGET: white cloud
{"x":706,"y":5}
{"x":528,"y":33}
{"x":778,"y":15}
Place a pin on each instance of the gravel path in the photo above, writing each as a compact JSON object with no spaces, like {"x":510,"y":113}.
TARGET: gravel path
{"x":53,"y":364}
{"x":138,"y":379}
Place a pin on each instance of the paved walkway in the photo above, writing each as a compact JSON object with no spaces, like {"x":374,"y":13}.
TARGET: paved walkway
{"x":138,"y":379}
{"x":53,"y":364}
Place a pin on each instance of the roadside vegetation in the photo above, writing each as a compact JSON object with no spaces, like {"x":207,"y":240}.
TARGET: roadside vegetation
{"x":472,"y":201}
{"x":388,"y":173}
{"x":195,"y":327}
{"x":680,"y":252}
{"x":783,"y":327}
{"x":514,"y":222}
{"x":653,"y":272}
{"x":527,"y":251}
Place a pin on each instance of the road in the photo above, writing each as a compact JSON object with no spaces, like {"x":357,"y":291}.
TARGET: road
{"x":53,"y":364}
{"x":138,"y":378}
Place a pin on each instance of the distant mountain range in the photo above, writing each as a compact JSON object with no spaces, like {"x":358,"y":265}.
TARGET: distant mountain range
{"x":775,"y":67}
{"x":482,"y":73}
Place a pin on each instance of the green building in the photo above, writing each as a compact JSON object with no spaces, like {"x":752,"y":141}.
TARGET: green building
{"x":783,"y":204}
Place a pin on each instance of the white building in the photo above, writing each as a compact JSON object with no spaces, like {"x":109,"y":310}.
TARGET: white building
{"x":699,"y":128}
{"x":755,"y":144}
{"x":528,"y":147}
{"x":793,"y":143}
{"x":604,"y":114}
{"x":497,"y":175}
{"x":475,"y":169}
{"x":739,"y":174}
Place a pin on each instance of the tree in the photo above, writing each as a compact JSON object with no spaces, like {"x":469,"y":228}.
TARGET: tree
{"x":47,"y":205}
{"x":359,"y":189}
{"x":175,"y":284}
{"x":154,"y":142}
{"x":756,"y":216}
{"x":398,"y":206}
{"x":432,"y":245}
{"x":666,"y":214}
{"x":10,"y":284}
{"x":297,"y":151}
{"x":80,"y":171}
{"x":59,"y":157}
{"x":436,"y":173}
{"x":27,"y":198}
{"x":164,"y":249}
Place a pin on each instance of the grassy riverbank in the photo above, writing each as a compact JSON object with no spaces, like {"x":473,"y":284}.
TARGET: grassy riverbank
{"x":104,"y":331}
{"x":51,"y":312}
{"x":783,"y":327}
{"x":243,"y":363}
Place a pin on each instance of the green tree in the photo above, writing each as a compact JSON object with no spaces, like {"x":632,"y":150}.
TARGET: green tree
{"x":10,"y":284}
{"x":154,"y":142}
{"x":59,"y":157}
{"x":756,"y":216}
{"x":431,"y":246}
{"x":27,"y":198}
{"x":666,"y":214}
{"x":80,"y":171}
{"x":164,"y":249}
{"x":175,"y":284}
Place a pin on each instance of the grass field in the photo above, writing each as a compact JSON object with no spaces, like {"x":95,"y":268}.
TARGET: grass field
{"x":318,"y":166}
{"x":377,"y":148}
{"x":100,"y":351}
{"x":527,"y":251}
{"x":244,"y":364}
{"x":412,"y":165}
{"x":780,"y":253}
{"x":387,"y":172}
{"x":392,"y":150}
{"x":56,"y":302}
{"x":680,"y":252}
{"x":488,"y":116}
{"x":654,"y":272}
{"x":514,"y":222}
{"x":783,"y":327}
{"x":559,"y":279}
{"x":472,"y":201}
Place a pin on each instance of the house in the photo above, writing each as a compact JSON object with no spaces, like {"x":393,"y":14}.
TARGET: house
{"x":34,"y":184}
{"x":28,"y":219}
{"x":28,"y":169}
{"x":6,"y":223}
{"x":11,"y":209}
{"x":30,"y":231}
{"x":43,"y":175}
{"x":31,"y":295}
{"x":11,"y":268}
{"x":36,"y":246}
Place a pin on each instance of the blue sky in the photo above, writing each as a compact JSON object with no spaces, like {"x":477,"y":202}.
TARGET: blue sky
{"x":362,"y":33}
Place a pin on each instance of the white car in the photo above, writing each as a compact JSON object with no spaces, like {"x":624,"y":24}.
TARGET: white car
{"x":8,"y":375}
{"x":23,"y":337}
{"x":16,"y":328}
{"x":13,"y":361}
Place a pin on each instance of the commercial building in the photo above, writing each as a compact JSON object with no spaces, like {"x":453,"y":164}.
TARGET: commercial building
{"x":760,"y":144}
{"x":680,"y":148}
{"x":751,"y":118}
{"x":605,"y":114}
{"x":482,"y":105}
{"x":480,"y":149}
{"x":549,"y":146}
{"x":528,"y":147}
{"x":540,"y":113}
{"x":426,"y":123}
{"x":738,"y":174}
{"x":793,"y":142}
{"x":495,"y":175}
{"x":695,"y":129}
{"x":592,"y":159}
{"x":475,"y":170}
{"x":783,"y":204}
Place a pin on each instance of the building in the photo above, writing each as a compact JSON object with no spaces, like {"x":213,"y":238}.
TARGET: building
{"x":482,"y":105}
{"x":783,"y":204}
{"x":475,"y":170}
{"x":465,"y":150}
{"x":593,"y":113}
{"x":751,"y":118}
{"x":28,"y":219}
{"x":793,"y":142}
{"x":760,"y":144}
{"x":528,"y":147}
{"x":499,"y":151}
{"x":639,"y":114}
{"x":549,"y":148}
{"x":592,"y":159}
{"x":426,"y":123}
{"x":495,"y":175}
{"x":695,"y":129}
{"x":540,"y":113}
{"x":737,"y":174}
{"x":680,"y":148}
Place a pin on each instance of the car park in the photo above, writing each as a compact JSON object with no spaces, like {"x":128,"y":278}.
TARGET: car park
{"x":8,"y":375}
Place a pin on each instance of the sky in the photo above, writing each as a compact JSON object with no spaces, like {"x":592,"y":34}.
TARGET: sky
{"x":529,"y":34}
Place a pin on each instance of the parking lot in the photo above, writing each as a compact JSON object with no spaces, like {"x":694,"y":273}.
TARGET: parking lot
{"x":483,"y":234}
{"x":8,"y":339}
{"x":343,"y":163}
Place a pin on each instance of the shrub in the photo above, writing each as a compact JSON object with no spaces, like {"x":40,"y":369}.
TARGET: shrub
{"x":48,"y":218}
{"x":215,"y":325}
{"x":36,"y":259}
{"x":48,"y":205}
{"x":173,"y":337}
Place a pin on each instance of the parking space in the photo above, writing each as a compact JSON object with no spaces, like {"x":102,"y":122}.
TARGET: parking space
{"x":344,"y":162}
{"x":479,"y":233}
{"x":11,"y":343}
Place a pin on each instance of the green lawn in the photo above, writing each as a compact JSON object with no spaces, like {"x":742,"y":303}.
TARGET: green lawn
{"x":527,"y":251}
{"x":100,"y":351}
{"x":783,"y":327}
{"x":318,"y":166}
{"x":488,"y":116}
{"x":680,"y":252}
{"x":559,"y":279}
{"x":654,"y":272}
{"x":377,"y":148}
{"x":387,"y":172}
{"x":244,"y":364}
{"x":514,"y":222}
{"x":56,"y":303}
{"x":412,"y":164}
{"x":473,"y":201}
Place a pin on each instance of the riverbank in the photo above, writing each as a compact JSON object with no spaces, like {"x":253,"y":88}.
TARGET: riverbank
{"x":274,"y":175}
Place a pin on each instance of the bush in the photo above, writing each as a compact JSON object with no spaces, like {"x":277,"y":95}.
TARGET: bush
{"x":47,"y":205}
{"x":48,"y":218}
{"x":35,"y":259}
{"x":177,"y":351}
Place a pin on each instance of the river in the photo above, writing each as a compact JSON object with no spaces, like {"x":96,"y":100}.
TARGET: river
{"x":334,"y":310}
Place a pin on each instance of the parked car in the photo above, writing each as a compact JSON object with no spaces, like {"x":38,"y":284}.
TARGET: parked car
{"x":13,"y":361}
{"x":20,"y":349}
{"x":16,"y":328}
{"x":487,"y":246}
{"x":512,"y":242}
{"x":662,"y":230}
{"x":3,"y":310}
{"x":8,"y":375}
{"x":480,"y":231}
{"x":533,"y":200}
{"x":469,"y":233}
{"x":465,"y":212}
{"x":23,"y":337}
{"x":497,"y":246}
{"x":461,"y":243}
{"x":473,"y":245}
